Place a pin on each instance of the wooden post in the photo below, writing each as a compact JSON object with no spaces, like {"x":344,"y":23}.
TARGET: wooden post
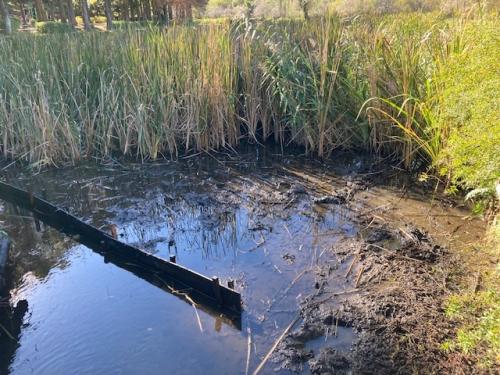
{"x":37,"y":223}
{"x":217,"y":292}
{"x":4,"y":256}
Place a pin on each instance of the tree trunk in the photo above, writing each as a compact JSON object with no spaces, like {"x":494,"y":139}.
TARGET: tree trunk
{"x":109,"y":14}
{"x":147,"y":9}
{"x":304,"y":4}
{"x":7,"y":26}
{"x":71,"y":13}
{"x":85,"y":14}
{"x":50,"y":12}
{"x":125,"y":10}
{"x":170,"y":13}
{"x":62,"y":11}
{"x":40,"y":11}
{"x":23,"y":13}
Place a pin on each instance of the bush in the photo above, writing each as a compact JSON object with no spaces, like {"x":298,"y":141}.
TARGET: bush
{"x":53,"y":27}
{"x":132,"y":25}
{"x":469,"y":108}
{"x":98,"y":19}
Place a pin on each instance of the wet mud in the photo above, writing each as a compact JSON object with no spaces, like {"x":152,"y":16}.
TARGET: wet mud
{"x":343,"y":265}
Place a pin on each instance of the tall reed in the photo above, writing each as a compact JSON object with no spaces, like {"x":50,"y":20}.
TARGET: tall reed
{"x":324,"y":84}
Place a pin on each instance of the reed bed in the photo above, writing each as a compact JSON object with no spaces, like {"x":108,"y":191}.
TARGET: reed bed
{"x":324,"y":84}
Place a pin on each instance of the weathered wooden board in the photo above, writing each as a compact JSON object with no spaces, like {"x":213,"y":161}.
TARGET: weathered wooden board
{"x":190,"y":282}
{"x":4,"y":256}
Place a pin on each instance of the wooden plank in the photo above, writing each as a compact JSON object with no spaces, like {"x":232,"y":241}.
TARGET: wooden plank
{"x":108,"y":246}
{"x":4,"y":256}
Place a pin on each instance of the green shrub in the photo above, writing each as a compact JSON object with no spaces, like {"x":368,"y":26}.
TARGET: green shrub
{"x":478,"y":313}
{"x":132,"y":25}
{"x":53,"y":27}
{"x":470,"y":109}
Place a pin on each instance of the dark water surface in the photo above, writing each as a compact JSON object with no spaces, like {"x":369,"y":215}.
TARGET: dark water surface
{"x":245,"y":219}
{"x":238,"y":220}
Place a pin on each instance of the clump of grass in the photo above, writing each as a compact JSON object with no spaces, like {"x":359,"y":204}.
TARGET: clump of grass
{"x":478,"y":311}
{"x":150,"y":95}
{"x":308,"y":78}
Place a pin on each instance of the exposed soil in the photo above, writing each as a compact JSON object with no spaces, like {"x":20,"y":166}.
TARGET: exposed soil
{"x":396,"y":282}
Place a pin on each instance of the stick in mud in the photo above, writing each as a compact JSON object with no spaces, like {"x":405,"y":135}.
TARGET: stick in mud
{"x":350,"y":267}
{"x":275,"y":345}
{"x":249,"y":349}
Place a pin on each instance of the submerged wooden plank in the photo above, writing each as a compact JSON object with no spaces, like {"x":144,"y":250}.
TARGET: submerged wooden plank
{"x":206,"y":289}
{"x":4,"y":256}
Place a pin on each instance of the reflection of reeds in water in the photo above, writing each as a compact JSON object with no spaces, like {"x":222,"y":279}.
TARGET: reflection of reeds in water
{"x":183,"y":226}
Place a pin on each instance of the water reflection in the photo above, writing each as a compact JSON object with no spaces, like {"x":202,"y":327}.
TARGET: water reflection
{"x":230,"y":220}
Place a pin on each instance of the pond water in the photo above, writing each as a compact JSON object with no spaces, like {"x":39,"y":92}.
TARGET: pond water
{"x":247,"y":219}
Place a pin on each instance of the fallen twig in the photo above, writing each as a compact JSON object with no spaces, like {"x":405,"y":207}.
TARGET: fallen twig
{"x":249,"y":349}
{"x":350,"y":267}
{"x":359,"y":276}
{"x":275,"y":345}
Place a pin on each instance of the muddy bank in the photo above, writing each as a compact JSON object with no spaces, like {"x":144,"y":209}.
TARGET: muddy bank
{"x":393,"y":299}
{"x":395,"y":278}
{"x":344,"y":249}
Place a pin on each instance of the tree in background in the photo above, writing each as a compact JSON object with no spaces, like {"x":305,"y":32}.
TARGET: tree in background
{"x":71,"y":13}
{"x":41,"y":15}
{"x":4,"y":10}
{"x":87,"y":25}
{"x":109,"y":14}
{"x":304,"y":5}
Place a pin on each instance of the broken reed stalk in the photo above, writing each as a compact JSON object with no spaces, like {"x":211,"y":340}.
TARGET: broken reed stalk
{"x":249,"y":349}
{"x":275,"y":345}
{"x":185,"y":296}
{"x":358,"y":278}
{"x":352,"y":264}
{"x":9,"y":335}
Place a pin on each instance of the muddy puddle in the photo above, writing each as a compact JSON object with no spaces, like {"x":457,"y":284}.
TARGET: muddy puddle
{"x":307,"y":244}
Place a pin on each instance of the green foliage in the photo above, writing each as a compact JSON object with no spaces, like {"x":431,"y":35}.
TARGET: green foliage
{"x":51,"y":27}
{"x":133,"y":25}
{"x":470,"y":108}
{"x":478,"y":314}
{"x":309,"y":78}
